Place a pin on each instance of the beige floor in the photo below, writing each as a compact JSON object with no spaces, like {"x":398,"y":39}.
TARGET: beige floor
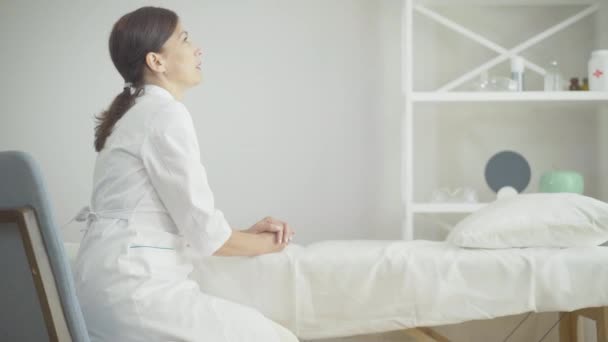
{"x":485,"y":331}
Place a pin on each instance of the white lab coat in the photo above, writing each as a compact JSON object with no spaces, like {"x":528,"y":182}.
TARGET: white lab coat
{"x":152,"y":211}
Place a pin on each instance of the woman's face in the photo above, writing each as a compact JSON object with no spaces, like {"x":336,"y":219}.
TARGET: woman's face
{"x":182,"y":59}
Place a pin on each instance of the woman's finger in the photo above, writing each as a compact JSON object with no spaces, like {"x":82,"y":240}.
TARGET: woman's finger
{"x":273,"y":227}
{"x":280,"y":235}
{"x":290,"y":233}
{"x":285,"y":232}
{"x":280,"y":229}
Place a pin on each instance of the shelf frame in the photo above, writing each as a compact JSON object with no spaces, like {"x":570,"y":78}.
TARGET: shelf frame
{"x":504,"y":54}
{"x":474,"y":36}
{"x":600,"y":97}
{"x":507,"y":3}
{"x":445,"y":94}
{"x":447,"y":207}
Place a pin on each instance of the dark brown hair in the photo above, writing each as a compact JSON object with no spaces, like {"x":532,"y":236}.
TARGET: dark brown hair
{"x":133,"y":36}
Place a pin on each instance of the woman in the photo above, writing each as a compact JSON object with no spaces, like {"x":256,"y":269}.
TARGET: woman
{"x":152,"y":209}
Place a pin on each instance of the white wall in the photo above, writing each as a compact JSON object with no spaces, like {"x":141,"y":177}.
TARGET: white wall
{"x":299,"y":112}
{"x":297,"y":115}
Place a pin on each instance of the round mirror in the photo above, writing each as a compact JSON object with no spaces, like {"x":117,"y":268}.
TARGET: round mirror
{"x":507,"y":168}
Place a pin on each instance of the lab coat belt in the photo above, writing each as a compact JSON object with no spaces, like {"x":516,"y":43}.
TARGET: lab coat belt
{"x":86,"y":214}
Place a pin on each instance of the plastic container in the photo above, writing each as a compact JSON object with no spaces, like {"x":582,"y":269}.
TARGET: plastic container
{"x":598,"y":67}
{"x":495,"y":83}
{"x":562,"y":181}
{"x":517,"y":72}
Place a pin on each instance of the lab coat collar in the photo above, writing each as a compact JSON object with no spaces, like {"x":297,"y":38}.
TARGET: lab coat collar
{"x":153,"y":89}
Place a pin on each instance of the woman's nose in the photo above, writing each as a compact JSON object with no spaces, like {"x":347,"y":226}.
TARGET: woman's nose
{"x":198,"y":52}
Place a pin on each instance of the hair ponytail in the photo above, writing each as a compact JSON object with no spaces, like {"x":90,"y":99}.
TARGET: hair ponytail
{"x":133,"y":36}
{"x":108,"y":118}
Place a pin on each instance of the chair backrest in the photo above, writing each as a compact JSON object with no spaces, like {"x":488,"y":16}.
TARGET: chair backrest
{"x":37,"y":291}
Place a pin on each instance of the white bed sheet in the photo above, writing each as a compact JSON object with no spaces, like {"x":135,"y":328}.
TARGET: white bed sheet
{"x":343,"y":288}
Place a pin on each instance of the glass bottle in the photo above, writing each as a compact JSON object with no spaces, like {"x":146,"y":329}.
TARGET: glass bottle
{"x":574,"y":84}
{"x":585,"y":85}
{"x":553,"y":77}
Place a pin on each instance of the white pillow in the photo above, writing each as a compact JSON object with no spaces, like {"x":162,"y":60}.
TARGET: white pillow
{"x":535,"y":220}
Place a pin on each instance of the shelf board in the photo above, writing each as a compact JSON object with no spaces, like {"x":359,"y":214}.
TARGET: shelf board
{"x":525,"y":96}
{"x":507,"y":2}
{"x":447,"y":207}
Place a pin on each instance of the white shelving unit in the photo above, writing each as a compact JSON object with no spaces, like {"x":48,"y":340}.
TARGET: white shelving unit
{"x":446,"y":207}
{"x":527,"y":96}
{"x":445,"y":94}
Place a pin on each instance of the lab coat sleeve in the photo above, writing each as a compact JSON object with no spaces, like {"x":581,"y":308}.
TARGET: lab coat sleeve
{"x":171,"y":157}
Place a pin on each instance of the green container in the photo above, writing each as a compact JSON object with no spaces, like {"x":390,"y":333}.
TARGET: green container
{"x":562,"y":181}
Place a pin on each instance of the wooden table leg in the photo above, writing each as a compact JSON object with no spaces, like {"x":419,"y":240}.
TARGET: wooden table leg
{"x":417,"y":335}
{"x":568,"y":327}
{"x":424,"y":335}
{"x":601,"y":324}
{"x":434,"y":335}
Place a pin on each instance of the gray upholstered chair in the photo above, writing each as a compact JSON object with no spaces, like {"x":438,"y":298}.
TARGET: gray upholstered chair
{"x":36,"y":291}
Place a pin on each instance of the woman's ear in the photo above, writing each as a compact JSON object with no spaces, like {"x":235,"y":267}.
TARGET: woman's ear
{"x":155,"y":62}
